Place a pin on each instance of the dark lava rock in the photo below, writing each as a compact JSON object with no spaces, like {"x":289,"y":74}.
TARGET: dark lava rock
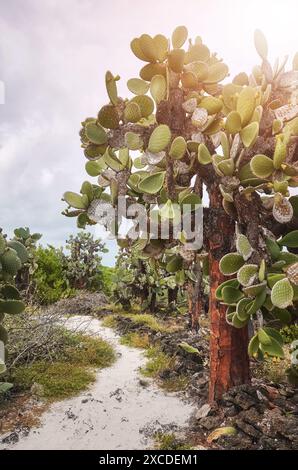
{"x":265,"y":417}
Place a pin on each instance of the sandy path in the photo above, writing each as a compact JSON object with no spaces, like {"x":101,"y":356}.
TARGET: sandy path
{"x":115,"y":413}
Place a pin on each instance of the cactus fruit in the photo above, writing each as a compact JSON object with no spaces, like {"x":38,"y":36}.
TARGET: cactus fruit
{"x":282,"y":294}
{"x":159,"y":139}
{"x":231,"y":263}
{"x":247,"y":274}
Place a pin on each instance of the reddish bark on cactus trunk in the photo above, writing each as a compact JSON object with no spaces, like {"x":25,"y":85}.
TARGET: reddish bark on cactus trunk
{"x":229,"y":361}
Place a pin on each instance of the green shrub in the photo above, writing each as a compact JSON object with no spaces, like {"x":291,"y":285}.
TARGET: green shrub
{"x":51,"y":283}
{"x":107,"y":275}
{"x":289,"y":333}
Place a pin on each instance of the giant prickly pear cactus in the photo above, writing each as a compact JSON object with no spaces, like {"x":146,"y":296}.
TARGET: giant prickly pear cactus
{"x":237,"y":140}
{"x":12,"y":256}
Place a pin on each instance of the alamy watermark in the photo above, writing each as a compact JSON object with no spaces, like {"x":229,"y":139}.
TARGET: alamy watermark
{"x":169,"y":221}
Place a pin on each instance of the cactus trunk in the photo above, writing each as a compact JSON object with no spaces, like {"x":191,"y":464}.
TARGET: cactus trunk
{"x":229,"y":361}
{"x":195,"y":298}
{"x":152,"y":304}
{"x":172,"y":296}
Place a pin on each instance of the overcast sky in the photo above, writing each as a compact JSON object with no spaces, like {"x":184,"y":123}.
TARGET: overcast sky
{"x":53,"y":56}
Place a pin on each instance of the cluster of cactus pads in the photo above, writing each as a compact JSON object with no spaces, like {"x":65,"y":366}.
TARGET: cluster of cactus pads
{"x":266,"y":291}
{"x":13,"y":255}
{"x":237,"y":137}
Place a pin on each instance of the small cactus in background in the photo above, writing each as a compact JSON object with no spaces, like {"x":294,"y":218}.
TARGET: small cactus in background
{"x":13,"y":255}
{"x":82,"y":266}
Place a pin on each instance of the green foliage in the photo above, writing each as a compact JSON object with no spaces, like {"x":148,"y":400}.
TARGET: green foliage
{"x":107,"y":275}
{"x":158,"y":361}
{"x":83,"y":265}
{"x":143,"y":280}
{"x":50,"y":276}
{"x":268,"y":291}
{"x":135,"y":340}
{"x":289,"y":333}
{"x":169,"y":442}
{"x":70,"y":373}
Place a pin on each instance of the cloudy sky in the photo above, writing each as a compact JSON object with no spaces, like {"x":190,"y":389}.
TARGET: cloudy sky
{"x":53,"y":56}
